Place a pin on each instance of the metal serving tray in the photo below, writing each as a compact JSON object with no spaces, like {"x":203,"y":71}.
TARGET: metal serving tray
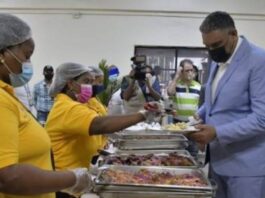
{"x":105,"y":186}
{"x":144,"y":194}
{"x":142,"y":134}
{"x":143,"y":152}
{"x":153,"y":136}
{"x":125,"y":155}
{"x":169,"y":142}
{"x":146,"y":132}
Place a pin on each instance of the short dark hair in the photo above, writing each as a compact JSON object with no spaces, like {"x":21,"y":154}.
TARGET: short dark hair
{"x":218,"y":20}
{"x":182,"y":63}
{"x":195,"y":68}
{"x":48,"y":68}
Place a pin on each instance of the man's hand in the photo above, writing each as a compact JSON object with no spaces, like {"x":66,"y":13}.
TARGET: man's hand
{"x":132,"y":73}
{"x":148,"y":80}
{"x":205,"y":135}
{"x":179,"y":73}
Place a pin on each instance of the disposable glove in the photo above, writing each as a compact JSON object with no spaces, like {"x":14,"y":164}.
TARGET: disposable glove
{"x":152,"y":111}
{"x":83,"y":184}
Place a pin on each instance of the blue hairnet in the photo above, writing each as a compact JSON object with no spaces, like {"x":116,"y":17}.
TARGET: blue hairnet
{"x":13,"y":30}
{"x":113,"y":70}
{"x":64,"y":73}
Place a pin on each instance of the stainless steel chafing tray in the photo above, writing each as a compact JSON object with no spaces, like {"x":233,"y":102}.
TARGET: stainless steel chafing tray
{"x":137,"y":134}
{"x":146,"y":132}
{"x":127,"y":157}
{"x":106,"y":186}
{"x":127,"y":142}
{"x":139,"y":152}
{"x":143,"y":134}
{"x":153,"y":136}
{"x":144,"y":194}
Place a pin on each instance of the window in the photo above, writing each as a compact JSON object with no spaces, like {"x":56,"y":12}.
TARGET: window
{"x":168,"y":58}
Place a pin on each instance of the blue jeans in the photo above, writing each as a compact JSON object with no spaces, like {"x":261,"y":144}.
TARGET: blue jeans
{"x":42,"y":117}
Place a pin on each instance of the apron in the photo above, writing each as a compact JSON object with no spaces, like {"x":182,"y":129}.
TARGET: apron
{"x":136,"y":102}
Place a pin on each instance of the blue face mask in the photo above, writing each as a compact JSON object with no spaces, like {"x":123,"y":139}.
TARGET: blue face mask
{"x":113,"y":78}
{"x":18,"y":80}
{"x":97,"y":89}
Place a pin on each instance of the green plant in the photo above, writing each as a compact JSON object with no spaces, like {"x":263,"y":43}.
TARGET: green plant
{"x":104,"y":96}
{"x":110,"y":88}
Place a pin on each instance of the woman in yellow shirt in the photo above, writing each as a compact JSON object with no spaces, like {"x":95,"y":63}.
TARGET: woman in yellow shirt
{"x":95,"y":104}
{"x":97,"y":141}
{"x":25,"y":162}
{"x":72,"y":124}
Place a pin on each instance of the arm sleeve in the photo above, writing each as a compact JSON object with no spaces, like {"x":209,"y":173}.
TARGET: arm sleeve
{"x":77,"y":120}
{"x":201,"y":112}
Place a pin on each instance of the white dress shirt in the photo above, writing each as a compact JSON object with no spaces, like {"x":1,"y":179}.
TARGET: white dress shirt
{"x":221,"y":70}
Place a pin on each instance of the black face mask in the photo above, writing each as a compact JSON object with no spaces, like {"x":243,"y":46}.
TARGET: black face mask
{"x":219,"y":54}
{"x":48,"y":77}
{"x":97,"y":89}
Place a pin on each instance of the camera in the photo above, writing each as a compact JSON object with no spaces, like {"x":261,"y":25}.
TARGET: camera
{"x":139,"y":67}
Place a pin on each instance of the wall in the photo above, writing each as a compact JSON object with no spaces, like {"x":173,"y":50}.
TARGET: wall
{"x":86,"y":31}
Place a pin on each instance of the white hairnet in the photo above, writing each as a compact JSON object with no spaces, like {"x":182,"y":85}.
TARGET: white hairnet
{"x":64,"y":73}
{"x":96,"y":71}
{"x":13,"y":30}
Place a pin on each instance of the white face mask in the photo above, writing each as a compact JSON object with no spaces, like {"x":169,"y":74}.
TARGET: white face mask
{"x":190,"y":76}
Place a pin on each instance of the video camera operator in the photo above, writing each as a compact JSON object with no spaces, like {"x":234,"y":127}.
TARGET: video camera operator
{"x":139,"y":86}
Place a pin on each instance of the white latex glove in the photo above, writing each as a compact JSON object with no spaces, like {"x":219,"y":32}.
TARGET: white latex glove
{"x":93,"y":169}
{"x":83,"y":182}
{"x":152,"y":111}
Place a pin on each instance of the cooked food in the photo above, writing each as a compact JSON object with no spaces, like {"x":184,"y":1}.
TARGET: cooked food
{"x":176,"y":127}
{"x":171,"y":159}
{"x":145,"y":176}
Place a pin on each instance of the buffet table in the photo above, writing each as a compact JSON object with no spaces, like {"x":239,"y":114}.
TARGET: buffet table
{"x":150,"y":164}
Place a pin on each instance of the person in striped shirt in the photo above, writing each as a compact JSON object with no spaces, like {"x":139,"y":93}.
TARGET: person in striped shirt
{"x":185,"y":93}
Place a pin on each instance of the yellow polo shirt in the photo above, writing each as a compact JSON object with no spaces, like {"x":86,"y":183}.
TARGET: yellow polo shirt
{"x":22,"y":138}
{"x":68,"y":124}
{"x":97,"y":106}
